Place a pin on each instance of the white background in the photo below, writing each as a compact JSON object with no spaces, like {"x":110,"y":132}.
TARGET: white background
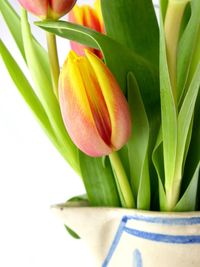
{"x":33,"y":176}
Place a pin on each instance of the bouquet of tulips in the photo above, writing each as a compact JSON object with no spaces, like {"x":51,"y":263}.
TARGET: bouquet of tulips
{"x":124,"y":109}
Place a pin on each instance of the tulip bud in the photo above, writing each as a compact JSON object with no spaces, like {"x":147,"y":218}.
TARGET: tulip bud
{"x":93,"y":107}
{"x":44,"y":9}
{"x":89,"y":17}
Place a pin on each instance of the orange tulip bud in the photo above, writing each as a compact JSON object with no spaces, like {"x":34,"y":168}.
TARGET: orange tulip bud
{"x":44,"y":9}
{"x":94,"y":109}
{"x":89,"y":17}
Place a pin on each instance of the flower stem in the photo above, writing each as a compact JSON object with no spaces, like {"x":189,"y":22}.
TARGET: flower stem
{"x":53,"y":60}
{"x":124,"y":189}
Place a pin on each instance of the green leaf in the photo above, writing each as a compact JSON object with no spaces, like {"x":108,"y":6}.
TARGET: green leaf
{"x":158,"y":162}
{"x":187,"y":45}
{"x":26,"y":91}
{"x":82,"y":201}
{"x":185,"y":119}
{"x":99,"y":181}
{"x":163,"y":8}
{"x":13,"y":22}
{"x":193,"y":156}
{"x":118,"y":58}
{"x":185,"y":19}
{"x":194,"y":151}
{"x":46,"y":95}
{"x":72,"y":233}
{"x":29,"y":96}
{"x":139,"y":30}
{"x":138,"y":146}
{"x":169,"y":116}
{"x":188,"y":200}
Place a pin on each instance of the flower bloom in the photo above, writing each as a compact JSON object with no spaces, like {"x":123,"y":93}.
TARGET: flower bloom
{"x":93,"y":107}
{"x":44,"y":9}
{"x":89,"y":17}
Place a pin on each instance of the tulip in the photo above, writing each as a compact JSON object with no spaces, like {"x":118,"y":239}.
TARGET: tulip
{"x":97,"y":7}
{"x":89,"y":17}
{"x":44,"y":9}
{"x":94,"y":109}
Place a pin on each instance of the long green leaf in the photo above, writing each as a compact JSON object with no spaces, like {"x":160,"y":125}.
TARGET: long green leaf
{"x":158,"y":161}
{"x":185,"y":119}
{"x":187,"y":45}
{"x":46,"y":95}
{"x":188,"y":200}
{"x":99,"y":181}
{"x":169,"y":117}
{"x":29,"y":96}
{"x":193,"y":156}
{"x":13,"y":22}
{"x":163,"y":8}
{"x":139,"y":30}
{"x":138,"y":146}
{"x":26,"y":91}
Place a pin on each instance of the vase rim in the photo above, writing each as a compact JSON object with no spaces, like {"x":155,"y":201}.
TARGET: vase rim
{"x":77,"y":205}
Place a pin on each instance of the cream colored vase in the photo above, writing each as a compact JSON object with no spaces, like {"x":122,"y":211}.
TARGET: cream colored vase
{"x":130,"y":238}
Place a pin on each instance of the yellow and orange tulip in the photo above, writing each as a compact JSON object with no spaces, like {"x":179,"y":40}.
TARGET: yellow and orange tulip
{"x":89,"y":17}
{"x":44,"y":9}
{"x":94,"y":109}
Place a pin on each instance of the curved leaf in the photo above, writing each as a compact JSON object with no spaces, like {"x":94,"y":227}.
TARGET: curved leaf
{"x":163,"y":8}
{"x":158,"y":162}
{"x":185,"y":119}
{"x":186,"y":48}
{"x":139,"y":30}
{"x":13,"y":22}
{"x":188,"y":200}
{"x":138,"y":146}
{"x":26,"y":91}
{"x":46,"y":95}
{"x":169,"y":116}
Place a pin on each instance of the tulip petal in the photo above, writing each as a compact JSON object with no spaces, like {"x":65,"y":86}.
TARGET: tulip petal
{"x":57,"y":8}
{"x":76,"y":111}
{"x":115,"y":102}
{"x":97,"y":6}
{"x":76,"y":15}
{"x":86,"y":16}
{"x":90,"y":18}
{"x":37,"y":7}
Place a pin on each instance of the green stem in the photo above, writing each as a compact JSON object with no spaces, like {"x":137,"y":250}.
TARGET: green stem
{"x":126,"y":195}
{"x":53,"y":60}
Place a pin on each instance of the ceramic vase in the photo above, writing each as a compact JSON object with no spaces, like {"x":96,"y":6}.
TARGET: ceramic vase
{"x":130,"y":238}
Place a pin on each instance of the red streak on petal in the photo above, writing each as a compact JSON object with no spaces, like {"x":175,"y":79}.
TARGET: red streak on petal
{"x":97,"y":103}
{"x":102,"y":122}
{"x":61,"y":6}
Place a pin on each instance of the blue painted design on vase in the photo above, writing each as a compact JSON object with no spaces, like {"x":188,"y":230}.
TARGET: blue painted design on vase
{"x":137,"y":258}
{"x":155,"y":237}
{"x":172,"y":239}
